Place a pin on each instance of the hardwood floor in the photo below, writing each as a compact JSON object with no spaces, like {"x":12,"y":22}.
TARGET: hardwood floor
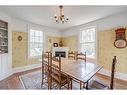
{"x":13,"y":82}
{"x":118,"y":84}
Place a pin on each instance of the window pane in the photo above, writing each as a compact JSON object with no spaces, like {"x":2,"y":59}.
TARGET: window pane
{"x":31,"y":32}
{"x":31,"y":39}
{"x":36,"y":42}
{"x":88,"y":35}
{"x":41,"y":33}
{"x":89,"y":48}
{"x":87,"y":41}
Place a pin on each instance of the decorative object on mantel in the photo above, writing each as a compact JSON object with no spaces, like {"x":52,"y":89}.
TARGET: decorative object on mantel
{"x":19,"y":38}
{"x":61,"y":17}
{"x":120,"y":41}
{"x":60,"y":43}
{"x":55,"y":44}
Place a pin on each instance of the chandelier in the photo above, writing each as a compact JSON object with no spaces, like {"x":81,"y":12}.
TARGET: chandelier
{"x":61,"y":18}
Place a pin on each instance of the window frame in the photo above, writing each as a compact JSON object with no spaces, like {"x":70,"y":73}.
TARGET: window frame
{"x":79,"y":42}
{"x":29,"y":29}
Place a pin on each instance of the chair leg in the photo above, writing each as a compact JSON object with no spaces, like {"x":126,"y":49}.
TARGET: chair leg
{"x":71,"y":84}
{"x":87,"y":85}
{"x":68,"y":85}
{"x":69,"y":80}
{"x":42,"y":82}
{"x":84,"y":85}
{"x":49,"y":82}
{"x":59,"y":86}
{"x":80,"y":85}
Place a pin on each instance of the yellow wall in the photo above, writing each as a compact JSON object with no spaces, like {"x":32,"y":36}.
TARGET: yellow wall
{"x":107,"y":50}
{"x":20,"y":50}
{"x":71,"y":42}
{"x":50,"y":40}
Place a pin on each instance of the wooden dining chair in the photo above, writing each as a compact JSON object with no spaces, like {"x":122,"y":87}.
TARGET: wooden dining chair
{"x":45,"y":66}
{"x":94,"y":84}
{"x":57,"y":78}
{"x":71,"y":54}
{"x":81,"y":56}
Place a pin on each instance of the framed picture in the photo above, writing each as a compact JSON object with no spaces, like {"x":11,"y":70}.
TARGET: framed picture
{"x":55,"y":44}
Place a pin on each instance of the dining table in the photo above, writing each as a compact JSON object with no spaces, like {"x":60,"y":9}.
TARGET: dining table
{"x":79,"y":70}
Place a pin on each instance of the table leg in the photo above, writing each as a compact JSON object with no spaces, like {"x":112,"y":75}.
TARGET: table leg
{"x":42,"y":75}
{"x":80,"y":85}
{"x":70,"y":83}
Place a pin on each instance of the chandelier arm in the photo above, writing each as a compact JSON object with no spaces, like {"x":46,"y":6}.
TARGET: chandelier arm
{"x":61,"y":17}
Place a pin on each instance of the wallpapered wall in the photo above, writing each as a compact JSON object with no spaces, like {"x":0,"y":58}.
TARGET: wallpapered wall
{"x":71,"y":42}
{"x":49,"y":42}
{"x":20,"y":50}
{"x":107,"y":50}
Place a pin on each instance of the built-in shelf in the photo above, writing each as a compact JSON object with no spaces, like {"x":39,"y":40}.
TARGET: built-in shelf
{"x":3,"y":37}
{"x":3,"y":45}
{"x":4,"y":29}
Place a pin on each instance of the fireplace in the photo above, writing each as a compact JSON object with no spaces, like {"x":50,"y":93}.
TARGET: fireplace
{"x":63,"y":51}
{"x":60,"y":53}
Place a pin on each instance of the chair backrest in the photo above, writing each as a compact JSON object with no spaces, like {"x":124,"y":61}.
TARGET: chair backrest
{"x":113,"y":72}
{"x":46,"y":61}
{"x":71,"y":54}
{"x":81,"y":56}
{"x":46,"y":57}
{"x":56,"y":68}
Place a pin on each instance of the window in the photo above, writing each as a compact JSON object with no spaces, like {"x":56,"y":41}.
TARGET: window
{"x":87,"y":41}
{"x":35,"y":42}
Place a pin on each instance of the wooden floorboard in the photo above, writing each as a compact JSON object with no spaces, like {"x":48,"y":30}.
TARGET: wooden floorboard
{"x":14,"y":82}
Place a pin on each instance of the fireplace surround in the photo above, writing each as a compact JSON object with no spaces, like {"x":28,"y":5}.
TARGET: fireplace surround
{"x":60,"y":53}
{"x":63,"y":51}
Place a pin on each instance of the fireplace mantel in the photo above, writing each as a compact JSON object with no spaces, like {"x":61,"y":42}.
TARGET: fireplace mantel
{"x":56,"y":49}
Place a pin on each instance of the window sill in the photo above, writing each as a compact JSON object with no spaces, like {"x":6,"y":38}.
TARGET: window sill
{"x":33,"y":57}
{"x":91,"y":59}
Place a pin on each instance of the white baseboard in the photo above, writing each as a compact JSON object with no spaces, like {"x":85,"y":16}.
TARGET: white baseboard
{"x":5,"y":76}
{"x":118,"y":75}
{"x":25,"y":68}
{"x":20,"y":69}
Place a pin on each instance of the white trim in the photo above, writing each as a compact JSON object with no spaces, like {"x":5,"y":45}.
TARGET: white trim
{"x":6,"y":59}
{"x":35,"y":29}
{"x":96,"y":42}
{"x":118,"y":75}
{"x":5,"y":76}
{"x":65,"y":49}
{"x":21,"y":69}
{"x":25,"y":68}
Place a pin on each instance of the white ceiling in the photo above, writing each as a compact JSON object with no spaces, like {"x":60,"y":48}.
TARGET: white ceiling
{"x":44,"y":15}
